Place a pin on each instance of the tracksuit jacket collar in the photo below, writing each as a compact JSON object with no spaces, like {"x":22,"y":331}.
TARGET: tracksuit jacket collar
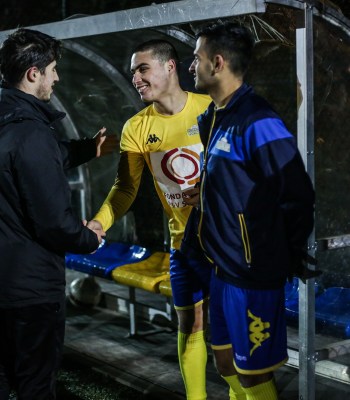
{"x":204,"y":120}
{"x":239,"y":93}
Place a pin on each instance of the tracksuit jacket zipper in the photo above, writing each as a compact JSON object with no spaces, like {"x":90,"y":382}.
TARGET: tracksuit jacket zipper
{"x":202,"y":185}
{"x":243,"y":226}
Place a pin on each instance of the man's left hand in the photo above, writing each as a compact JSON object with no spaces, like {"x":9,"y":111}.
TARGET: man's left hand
{"x":105,"y":144}
{"x":191,"y":196}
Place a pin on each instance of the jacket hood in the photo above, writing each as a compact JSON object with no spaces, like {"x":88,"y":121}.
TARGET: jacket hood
{"x":16,"y":105}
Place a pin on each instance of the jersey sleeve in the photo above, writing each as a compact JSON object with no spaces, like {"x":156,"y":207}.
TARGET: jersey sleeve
{"x":124,"y":190}
{"x":127,"y":182}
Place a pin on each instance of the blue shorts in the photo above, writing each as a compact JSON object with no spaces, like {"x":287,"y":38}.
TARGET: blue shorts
{"x":250,"y":321}
{"x":190,"y":280}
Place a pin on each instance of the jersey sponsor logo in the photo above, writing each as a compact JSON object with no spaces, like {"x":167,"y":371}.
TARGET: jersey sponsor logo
{"x":194,"y":130}
{"x":175,"y":171}
{"x":181,"y":166}
{"x":153,"y":138}
{"x":257,"y":327}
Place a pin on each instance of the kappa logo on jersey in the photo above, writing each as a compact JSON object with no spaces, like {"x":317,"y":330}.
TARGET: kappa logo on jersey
{"x":153,"y":138}
{"x":256,"y":327}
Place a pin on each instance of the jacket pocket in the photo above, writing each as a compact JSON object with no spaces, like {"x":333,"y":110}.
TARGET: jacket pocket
{"x":245,"y":239}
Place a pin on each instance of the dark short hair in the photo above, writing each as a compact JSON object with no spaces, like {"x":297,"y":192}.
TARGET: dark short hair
{"x":26,"y":48}
{"x":233,"y":40}
{"x":161,"y":49}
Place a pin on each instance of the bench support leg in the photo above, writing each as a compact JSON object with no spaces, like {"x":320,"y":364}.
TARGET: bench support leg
{"x":132,"y":311}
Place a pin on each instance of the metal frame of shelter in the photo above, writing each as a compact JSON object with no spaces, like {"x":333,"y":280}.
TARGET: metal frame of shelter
{"x":161,"y":16}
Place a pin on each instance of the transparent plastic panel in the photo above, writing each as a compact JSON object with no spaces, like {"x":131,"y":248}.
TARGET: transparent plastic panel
{"x":96,"y":90}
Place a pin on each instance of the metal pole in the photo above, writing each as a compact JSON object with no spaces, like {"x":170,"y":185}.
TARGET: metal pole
{"x":305,"y":74}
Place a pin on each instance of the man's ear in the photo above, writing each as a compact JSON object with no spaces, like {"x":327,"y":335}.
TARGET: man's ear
{"x":32,"y":74}
{"x":218,"y":63}
{"x":171,"y":65}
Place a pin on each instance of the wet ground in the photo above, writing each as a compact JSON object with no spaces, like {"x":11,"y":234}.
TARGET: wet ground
{"x":102,"y":362}
{"x":78,"y":381}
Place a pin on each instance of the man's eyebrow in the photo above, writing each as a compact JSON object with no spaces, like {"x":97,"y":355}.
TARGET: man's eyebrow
{"x":138,"y":67}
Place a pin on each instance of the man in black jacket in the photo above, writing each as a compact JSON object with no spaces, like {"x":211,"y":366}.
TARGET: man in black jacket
{"x":37,"y":224}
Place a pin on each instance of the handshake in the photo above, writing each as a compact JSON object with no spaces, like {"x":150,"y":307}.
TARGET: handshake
{"x":96,"y":227}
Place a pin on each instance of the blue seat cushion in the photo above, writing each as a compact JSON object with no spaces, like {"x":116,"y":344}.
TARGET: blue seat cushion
{"x":332,"y":310}
{"x":106,"y":258}
{"x":292,"y":298}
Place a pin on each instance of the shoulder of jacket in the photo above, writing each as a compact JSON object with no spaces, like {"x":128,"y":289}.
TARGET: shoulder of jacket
{"x":35,"y":131}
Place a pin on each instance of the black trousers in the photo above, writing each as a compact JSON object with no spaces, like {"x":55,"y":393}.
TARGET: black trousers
{"x":31,"y":343}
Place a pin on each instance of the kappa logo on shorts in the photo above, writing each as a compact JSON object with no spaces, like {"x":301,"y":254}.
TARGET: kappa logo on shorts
{"x":256,"y":327}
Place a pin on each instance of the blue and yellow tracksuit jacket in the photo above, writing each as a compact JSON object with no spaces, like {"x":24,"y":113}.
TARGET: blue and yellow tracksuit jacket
{"x":257,"y":201}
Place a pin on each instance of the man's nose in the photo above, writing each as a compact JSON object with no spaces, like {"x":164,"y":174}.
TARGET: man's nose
{"x":136,"y":78}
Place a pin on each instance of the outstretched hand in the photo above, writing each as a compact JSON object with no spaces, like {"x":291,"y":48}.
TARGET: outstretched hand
{"x":105,"y":144}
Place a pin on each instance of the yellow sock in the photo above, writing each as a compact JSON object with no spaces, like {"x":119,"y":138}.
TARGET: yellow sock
{"x":264,"y":391}
{"x":192,"y":351}
{"x":236,"y":392}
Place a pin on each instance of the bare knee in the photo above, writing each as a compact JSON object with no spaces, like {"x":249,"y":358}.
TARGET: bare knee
{"x":193,"y":320}
{"x":224,"y":362}
{"x":186,"y":320}
{"x":253,"y":380}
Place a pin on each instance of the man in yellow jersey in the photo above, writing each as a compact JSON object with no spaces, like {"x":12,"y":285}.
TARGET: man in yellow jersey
{"x":165,"y":136}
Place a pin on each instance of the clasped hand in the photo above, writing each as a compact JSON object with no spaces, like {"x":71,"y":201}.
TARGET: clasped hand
{"x":96,"y":227}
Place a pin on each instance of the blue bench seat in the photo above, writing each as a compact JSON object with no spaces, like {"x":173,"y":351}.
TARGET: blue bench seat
{"x":332,"y":310}
{"x":106,"y":258}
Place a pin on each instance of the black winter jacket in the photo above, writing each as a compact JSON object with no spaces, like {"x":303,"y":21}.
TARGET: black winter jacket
{"x":37,"y":224}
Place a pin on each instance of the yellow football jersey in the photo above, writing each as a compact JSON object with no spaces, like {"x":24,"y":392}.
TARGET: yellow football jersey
{"x":171,"y":147}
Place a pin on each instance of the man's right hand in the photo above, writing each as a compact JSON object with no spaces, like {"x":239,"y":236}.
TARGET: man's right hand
{"x":96,"y":227}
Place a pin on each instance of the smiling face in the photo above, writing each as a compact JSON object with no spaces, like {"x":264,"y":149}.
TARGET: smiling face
{"x":150,"y":76}
{"x":46,"y":82}
{"x":202,"y":67}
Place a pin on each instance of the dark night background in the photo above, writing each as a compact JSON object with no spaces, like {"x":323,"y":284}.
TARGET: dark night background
{"x":16,"y":13}
{"x":273,"y":75}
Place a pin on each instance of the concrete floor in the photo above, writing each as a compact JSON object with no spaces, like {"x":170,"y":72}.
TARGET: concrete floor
{"x":148,"y":362}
